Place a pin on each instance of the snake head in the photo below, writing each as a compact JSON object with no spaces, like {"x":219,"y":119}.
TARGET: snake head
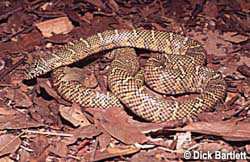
{"x":36,"y":68}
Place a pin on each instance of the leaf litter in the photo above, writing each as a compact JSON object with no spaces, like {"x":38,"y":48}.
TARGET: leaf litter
{"x":36,"y":124}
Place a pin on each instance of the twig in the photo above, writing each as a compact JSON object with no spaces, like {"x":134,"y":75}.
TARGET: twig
{"x":74,"y":157}
{"x":20,"y":31}
{"x":49,"y":133}
{"x":104,"y":13}
{"x":27,"y":149}
{"x":92,"y":157}
{"x":11,"y":12}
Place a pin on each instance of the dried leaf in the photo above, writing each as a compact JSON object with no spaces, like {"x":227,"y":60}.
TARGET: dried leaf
{"x":5,"y":110}
{"x":41,"y":157}
{"x":84,"y":76}
{"x":18,"y":97}
{"x":244,"y":70}
{"x":61,"y":25}
{"x":229,"y":130}
{"x":211,"y":41}
{"x":73,"y":74}
{"x":30,"y":40}
{"x":9,"y":144}
{"x":6,"y":159}
{"x":111,"y":152}
{"x":211,"y":10}
{"x":59,"y":148}
{"x":24,"y":155}
{"x":82,"y":133}
{"x":49,"y":89}
{"x":97,"y":3}
{"x":215,"y":116}
{"x":244,"y":60}
{"x":155,"y":155}
{"x":104,"y":140}
{"x":115,"y":122}
{"x":147,"y":11}
{"x":245,"y":5}
{"x":152,"y":127}
{"x":39,"y":144}
{"x":233,"y":37}
{"x":87,"y":17}
{"x":123,"y":23}
{"x":17,"y":121}
{"x":113,"y":5}
{"x":74,"y":115}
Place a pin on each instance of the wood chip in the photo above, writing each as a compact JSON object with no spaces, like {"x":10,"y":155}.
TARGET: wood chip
{"x":61,"y":25}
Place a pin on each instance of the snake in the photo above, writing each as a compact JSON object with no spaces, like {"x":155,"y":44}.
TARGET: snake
{"x":177,"y":68}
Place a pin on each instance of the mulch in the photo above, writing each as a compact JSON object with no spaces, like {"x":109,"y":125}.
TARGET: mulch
{"x":37,"y":124}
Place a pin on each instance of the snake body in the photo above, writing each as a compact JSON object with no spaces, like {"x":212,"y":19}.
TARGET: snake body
{"x":179,"y":69}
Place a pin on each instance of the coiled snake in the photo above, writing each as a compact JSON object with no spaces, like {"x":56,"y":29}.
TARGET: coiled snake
{"x":177,"y":70}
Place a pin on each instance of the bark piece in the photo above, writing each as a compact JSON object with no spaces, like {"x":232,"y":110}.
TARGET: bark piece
{"x":116,"y":123}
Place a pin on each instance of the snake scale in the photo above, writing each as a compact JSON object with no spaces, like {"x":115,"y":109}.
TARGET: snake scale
{"x":176,"y":69}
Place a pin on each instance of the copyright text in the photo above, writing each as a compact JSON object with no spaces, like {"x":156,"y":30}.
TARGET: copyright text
{"x":217,"y":155}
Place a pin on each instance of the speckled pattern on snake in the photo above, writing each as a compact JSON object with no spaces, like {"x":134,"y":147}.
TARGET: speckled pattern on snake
{"x":178,"y":69}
